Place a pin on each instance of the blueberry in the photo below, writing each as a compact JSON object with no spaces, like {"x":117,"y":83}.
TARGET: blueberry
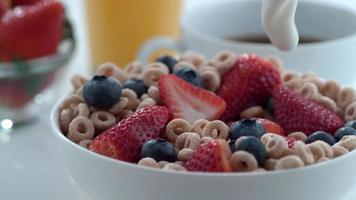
{"x":341,"y":132}
{"x":190,"y":75}
{"x":137,"y":86}
{"x":321,"y":135}
{"x":246,"y":127}
{"x":169,"y":61}
{"x":270,"y":107}
{"x":101,"y":92}
{"x":232,"y":144}
{"x":351,"y":124}
{"x":159,"y":150}
{"x":255,"y":147}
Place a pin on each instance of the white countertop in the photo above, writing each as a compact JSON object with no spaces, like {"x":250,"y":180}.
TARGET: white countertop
{"x":29,"y":169}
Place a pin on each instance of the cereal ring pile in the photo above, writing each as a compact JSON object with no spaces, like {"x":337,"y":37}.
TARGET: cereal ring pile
{"x":226,"y":114}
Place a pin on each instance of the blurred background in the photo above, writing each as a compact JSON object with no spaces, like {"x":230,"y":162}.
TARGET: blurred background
{"x":107,"y":30}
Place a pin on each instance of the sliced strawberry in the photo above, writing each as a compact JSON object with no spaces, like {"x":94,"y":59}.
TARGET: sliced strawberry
{"x":295,"y":112}
{"x":210,"y":157}
{"x":271,"y":127}
{"x":290,"y":142}
{"x":250,"y":81}
{"x":24,"y":2}
{"x":124,"y":141}
{"x":3,"y":7}
{"x":189,"y":102}
{"x":31,"y":31}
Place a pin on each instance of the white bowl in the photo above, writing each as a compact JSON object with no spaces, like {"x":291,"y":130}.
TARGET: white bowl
{"x":107,"y":179}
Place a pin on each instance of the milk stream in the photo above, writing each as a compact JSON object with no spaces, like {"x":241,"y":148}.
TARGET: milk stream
{"x":278,"y":22}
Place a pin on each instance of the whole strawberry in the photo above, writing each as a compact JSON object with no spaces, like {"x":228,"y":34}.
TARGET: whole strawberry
{"x":210,"y":157}
{"x":124,"y":141}
{"x":250,"y":81}
{"x":31,"y":31}
{"x":295,"y":112}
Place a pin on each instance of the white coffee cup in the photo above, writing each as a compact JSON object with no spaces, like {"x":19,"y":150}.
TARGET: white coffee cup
{"x":207,"y":29}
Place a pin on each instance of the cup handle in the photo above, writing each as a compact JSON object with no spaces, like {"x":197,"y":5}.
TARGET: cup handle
{"x":155,"y":44}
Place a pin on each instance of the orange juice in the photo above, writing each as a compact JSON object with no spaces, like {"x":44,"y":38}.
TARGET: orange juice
{"x":118,"y":28}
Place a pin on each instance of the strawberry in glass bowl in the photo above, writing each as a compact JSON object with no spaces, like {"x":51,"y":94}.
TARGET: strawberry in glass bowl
{"x":36,"y":41}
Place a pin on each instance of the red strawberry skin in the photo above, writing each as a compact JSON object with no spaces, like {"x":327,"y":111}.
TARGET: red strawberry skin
{"x":210,"y":157}
{"x":189,"y":102}
{"x":3,"y":7}
{"x":290,"y":142}
{"x":271,"y":127}
{"x":24,"y":2}
{"x":28,"y":32}
{"x":297,"y":113}
{"x":124,"y":141}
{"x":250,"y":81}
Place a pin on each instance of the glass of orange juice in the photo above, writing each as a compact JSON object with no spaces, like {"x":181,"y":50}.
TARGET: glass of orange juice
{"x":118,"y":28}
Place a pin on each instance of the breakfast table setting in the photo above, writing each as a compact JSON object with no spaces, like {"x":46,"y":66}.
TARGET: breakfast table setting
{"x":30,"y":165}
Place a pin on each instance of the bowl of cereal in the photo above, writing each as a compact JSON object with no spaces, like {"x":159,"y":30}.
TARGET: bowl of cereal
{"x":194,"y":128}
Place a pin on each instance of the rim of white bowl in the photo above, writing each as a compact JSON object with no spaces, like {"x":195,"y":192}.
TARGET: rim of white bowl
{"x":59,"y":135}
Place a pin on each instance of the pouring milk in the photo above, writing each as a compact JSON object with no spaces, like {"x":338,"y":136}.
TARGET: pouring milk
{"x":278,"y":22}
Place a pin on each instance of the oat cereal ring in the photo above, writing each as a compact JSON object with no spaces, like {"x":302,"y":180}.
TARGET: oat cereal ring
{"x":66,"y":116}
{"x":312,"y":78}
{"x":123,"y":114}
{"x":339,"y":150}
{"x":184,"y":154}
{"x":267,"y":137}
{"x":153,"y":92}
{"x":174,"y":167}
{"x":144,"y":96}
{"x":220,"y":128}
{"x":146,"y":102}
{"x":270,"y":164}
{"x":348,"y":142}
{"x":199,"y":125}
{"x":331,"y":89}
{"x":195,"y":58}
{"x":79,"y":93}
{"x":184,"y":64}
{"x":223,"y":61}
{"x":242,"y":161}
{"x":80,"y":128}
{"x":119,"y":106}
{"x":350,"y":112}
{"x":77,"y":81}
{"x":320,"y":149}
{"x":207,"y":67}
{"x":71,"y":102}
{"x":204,"y":140}
{"x":133,"y":69}
{"x":176,"y":127}
{"x":291,"y":79}
{"x":298,"y":136}
{"x":102,"y":120}
{"x":151,"y":76}
{"x":82,"y":110}
{"x":132,"y":97}
{"x":276,"y":62}
{"x":148,"y":162}
{"x":188,"y":140}
{"x":346,"y":96}
{"x":289,"y":152}
{"x":85,"y":143}
{"x":260,"y":169}
{"x":110,"y":69}
{"x":322,"y":160}
{"x":304,"y":153}
{"x":276,"y":146}
{"x":159,"y":66}
{"x":211,"y":80}
{"x":328,"y":103}
{"x":309,"y":90}
{"x":289,"y":162}
{"x":252,"y":112}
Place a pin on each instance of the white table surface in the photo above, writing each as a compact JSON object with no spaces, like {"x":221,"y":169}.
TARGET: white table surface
{"x":29,"y":169}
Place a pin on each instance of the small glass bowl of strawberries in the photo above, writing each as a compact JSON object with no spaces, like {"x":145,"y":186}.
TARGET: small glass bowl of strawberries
{"x":36,"y":41}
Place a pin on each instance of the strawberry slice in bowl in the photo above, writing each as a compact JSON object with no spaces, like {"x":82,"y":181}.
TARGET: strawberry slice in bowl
{"x":189,"y":102}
